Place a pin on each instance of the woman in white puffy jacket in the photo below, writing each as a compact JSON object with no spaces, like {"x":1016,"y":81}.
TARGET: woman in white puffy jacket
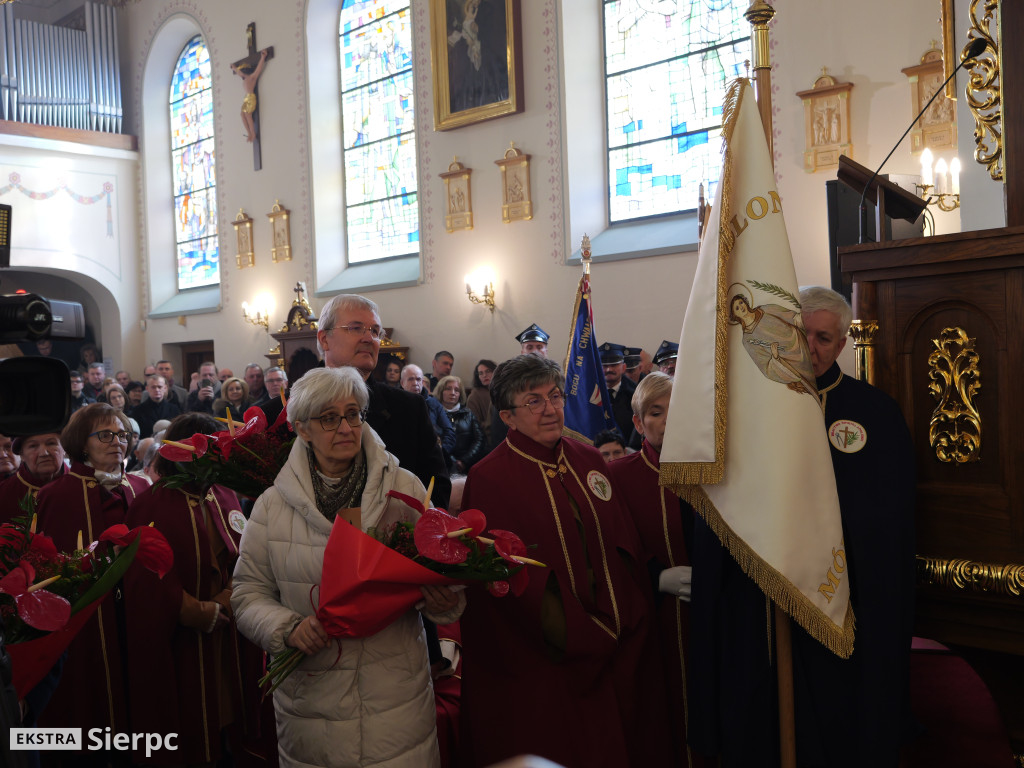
{"x":354,"y":702}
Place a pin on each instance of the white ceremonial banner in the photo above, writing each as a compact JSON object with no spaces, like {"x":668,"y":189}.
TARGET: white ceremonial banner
{"x":745,"y":441}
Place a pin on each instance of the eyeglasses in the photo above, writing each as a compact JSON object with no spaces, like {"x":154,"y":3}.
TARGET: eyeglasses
{"x":106,"y":436}
{"x":331,"y":421}
{"x":537,"y":404}
{"x":358,"y":329}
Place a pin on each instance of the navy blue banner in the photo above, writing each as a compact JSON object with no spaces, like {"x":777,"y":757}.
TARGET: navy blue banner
{"x":587,"y":404}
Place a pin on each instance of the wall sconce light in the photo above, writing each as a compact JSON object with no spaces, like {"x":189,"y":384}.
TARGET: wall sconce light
{"x":481,"y":282}
{"x":258,"y":313}
{"x":943,"y":179}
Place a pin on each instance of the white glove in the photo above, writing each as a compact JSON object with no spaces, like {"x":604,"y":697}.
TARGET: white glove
{"x":677,"y":581}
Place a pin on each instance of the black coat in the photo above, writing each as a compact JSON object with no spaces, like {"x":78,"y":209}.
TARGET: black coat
{"x":470,"y":445}
{"x":401,"y":420}
{"x":622,"y":407}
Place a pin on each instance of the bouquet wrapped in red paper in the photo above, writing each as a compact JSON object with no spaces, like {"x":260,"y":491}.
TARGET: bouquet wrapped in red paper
{"x":244,"y":457}
{"x":46,"y":596}
{"x":370,"y":579}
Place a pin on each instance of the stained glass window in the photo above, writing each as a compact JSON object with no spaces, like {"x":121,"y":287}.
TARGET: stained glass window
{"x":667,"y":66}
{"x":379,"y":140}
{"x":194,"y":168}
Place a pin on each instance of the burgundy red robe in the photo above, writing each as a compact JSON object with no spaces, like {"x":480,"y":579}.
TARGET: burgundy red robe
{"x":665,"y":525}
{"x":91,"y":693}
{"x":14,"y":488}
{"x":600,"y":701}
{"x":206,"y":680}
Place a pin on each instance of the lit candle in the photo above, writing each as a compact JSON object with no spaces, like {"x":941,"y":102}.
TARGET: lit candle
{"x":940,"y":175}
{"x":926,"y":168}
{"x":954,"y":174}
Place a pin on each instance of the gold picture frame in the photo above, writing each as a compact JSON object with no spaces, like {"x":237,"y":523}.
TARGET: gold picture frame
{"x":459,"y":196}
{"x":477,"y":57}
{"x":246,"y":256}
{"x":281,"y":234}
{"x":516,"y":200}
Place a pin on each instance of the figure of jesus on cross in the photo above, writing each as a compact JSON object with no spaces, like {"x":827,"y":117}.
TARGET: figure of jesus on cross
{"x":249,"y":69}
{"x":249,"y":102}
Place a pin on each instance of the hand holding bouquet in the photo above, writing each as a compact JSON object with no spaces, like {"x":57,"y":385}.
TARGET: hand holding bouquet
{"x":370,"y":579}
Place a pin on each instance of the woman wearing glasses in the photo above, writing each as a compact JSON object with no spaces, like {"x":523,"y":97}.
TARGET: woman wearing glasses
{"x":361,"y":701}
{"x":583,"y":624}
{"x":92,"y":496}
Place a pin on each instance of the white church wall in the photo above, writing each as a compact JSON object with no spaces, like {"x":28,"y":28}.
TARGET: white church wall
{"x":639,"y":301}
{"x":74,"y":216}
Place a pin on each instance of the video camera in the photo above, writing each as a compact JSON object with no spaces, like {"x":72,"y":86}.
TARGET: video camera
{"x":35,"y":392}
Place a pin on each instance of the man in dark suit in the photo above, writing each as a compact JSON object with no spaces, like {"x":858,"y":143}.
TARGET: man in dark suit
{"x":620,"y":388}
{"x":350,"y":334}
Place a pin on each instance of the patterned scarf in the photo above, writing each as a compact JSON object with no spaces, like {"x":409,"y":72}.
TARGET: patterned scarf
{"x":332,"y":494}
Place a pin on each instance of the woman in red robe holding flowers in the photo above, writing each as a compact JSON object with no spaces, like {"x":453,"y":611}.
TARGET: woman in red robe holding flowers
{"x":570,"y":669}
{"x":361,"y":701}
{"x":92,"y":496}
{"x":180,"y":628}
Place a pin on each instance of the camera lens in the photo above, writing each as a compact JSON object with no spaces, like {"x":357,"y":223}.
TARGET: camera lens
{"x":24,"y":316}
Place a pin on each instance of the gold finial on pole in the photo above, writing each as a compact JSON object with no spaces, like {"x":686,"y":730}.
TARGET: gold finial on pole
{"x":585,"y":254}
{"x":759,"y":14}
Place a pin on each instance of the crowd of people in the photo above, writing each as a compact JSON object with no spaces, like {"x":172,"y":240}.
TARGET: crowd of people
{"x":600,"y":662}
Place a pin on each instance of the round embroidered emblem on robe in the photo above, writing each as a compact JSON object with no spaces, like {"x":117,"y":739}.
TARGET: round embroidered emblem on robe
{"x":847,"y":436}
{"x":236,"y":520}
{"x":599,"y":485}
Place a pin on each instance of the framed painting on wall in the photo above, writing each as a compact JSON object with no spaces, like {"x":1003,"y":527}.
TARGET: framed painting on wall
{"x":476,"y":49}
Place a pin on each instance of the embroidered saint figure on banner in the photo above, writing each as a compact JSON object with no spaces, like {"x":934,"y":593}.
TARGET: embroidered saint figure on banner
{"x":774,"y":338}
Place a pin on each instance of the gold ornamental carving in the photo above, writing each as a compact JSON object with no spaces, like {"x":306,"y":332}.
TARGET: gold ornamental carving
{"x":955,"y":428}
{"x":971,"y":576}
{"x":984,"y":91}
{"x":863,"y":335}
{"x":300,"y":316}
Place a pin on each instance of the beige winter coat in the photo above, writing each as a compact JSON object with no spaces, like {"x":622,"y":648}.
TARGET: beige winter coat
{"x":372,"y":705}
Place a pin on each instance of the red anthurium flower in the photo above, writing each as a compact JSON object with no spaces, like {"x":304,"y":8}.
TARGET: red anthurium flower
{"x":38,"y":608}
{"x":474,"y":520}
{"x":185,"y":450}
{"x":255,"y":421}
{"x":431,"y":536}
{"x":498,"y":588}
{"x":282,"y":418}
{"x":43,"y":546}
{"x":509,"y":546}
{"x":154,"y":551}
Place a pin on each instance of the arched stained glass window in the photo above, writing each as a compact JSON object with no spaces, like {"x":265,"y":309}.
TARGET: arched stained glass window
{"x":193,"y":164}
{"x":667,"y":66}
{"x":379,"y":142}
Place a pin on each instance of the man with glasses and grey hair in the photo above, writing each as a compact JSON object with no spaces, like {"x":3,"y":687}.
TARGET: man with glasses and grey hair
{"x":275,"y":381}
{"x":350,"y":334}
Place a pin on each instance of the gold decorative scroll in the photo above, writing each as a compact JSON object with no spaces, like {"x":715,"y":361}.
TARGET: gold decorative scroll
{"x":300,"y":315}
{"x":971,"y":576}
{"x":863,"y":335}
{"x":984,"y":91}
{"x":955,"y":429}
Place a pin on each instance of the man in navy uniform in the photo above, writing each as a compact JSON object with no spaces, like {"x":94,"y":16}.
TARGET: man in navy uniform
{"x":873,"y":459}
{"x":634,"y":363}
{"x":665,"y":357}
{"x":533,"y":341}
{"x":620,"y":388}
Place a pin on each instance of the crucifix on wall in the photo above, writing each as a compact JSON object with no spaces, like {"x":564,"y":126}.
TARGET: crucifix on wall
{"x":249,"y":69}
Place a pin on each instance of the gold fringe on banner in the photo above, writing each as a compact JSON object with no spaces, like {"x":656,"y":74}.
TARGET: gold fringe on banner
{"x":781,"y":590}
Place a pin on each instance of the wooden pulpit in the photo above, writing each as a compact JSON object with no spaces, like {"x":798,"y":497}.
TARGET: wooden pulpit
{"x":949,"y":347}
